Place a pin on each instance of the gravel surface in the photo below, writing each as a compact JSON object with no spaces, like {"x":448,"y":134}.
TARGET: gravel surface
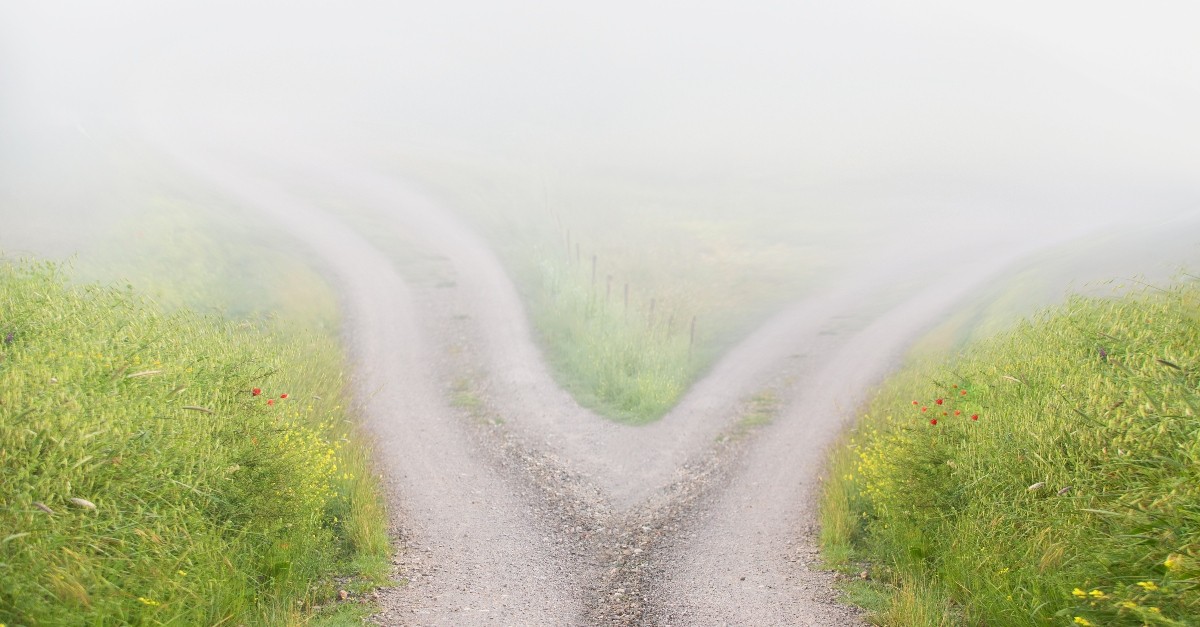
{"x":515,"y":506}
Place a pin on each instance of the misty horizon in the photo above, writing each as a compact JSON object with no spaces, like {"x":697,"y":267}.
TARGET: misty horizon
{"x":1082,"y":109}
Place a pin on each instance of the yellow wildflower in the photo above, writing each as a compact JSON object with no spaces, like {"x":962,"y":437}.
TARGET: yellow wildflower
{"x":1079,"y":620}
{"x":1079,"y":594}
{"x":181,"y":573}
{"x":1155,"y":610}
{"x":1129,"y":605}
{"x":1148,"y":585}
{"x":1097,"y":594}
{"x":150,"y":602}
{"x":1173,"y":561}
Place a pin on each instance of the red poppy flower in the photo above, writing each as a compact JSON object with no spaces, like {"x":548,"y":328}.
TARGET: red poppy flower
{"x":933,"y":422}
{"x":945,"y":413}
{"x":924,"y":408}
{"x":270,"y":401}
{"x":974,"y":416}
{"x":963,"y":392}
{"x":283,"y":396}
{"x":256,"y":391}
{"x":956,"y":386}
{"x":957,"y":412}
{"x":914,"y":402}
{"x":938,"y":401}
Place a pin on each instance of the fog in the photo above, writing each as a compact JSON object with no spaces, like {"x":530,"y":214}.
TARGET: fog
{"x":1023,"y":111}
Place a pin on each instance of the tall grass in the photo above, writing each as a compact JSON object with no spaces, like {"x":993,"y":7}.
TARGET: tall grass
{"x":1049,"y":476}
{"x":630,"y":363}
{"x":153,"y":470}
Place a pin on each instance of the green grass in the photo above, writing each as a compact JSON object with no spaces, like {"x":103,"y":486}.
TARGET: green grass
{"x":758,"y":411}
{"x":210,"y":505}
{"x":631,"y":365}
{"x":176,"y":248}
{"x":1074,"y":498}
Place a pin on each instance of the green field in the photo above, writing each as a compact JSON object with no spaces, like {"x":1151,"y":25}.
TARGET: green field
{"x":1047,"y":476}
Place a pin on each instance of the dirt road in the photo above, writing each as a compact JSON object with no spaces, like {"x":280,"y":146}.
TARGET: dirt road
{"x":522,"y":508}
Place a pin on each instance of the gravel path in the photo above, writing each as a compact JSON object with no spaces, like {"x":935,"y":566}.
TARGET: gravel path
{"x":474,"y":551}
{"x":520,"y":507}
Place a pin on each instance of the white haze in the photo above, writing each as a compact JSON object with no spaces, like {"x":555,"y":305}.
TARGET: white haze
{"x":1079,"y":110}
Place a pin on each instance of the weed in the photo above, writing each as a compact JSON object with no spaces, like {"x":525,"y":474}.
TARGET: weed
{"x":463,"y":395}
{"x":759,"y":410}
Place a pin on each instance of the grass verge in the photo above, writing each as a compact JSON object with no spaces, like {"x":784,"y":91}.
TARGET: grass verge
{"x":170,"y":468}
{"x":152,"y":230}
{"x":1046,"y":476}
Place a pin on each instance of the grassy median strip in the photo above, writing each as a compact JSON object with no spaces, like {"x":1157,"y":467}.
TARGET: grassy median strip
{"x":170,"y":468}
{"x":1050,"y":475}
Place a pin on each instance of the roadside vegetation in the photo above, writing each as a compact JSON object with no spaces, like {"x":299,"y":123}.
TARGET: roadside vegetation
{"x":1047,"y":476}
{"x":168,"y":468}
{"x":174,"y":441}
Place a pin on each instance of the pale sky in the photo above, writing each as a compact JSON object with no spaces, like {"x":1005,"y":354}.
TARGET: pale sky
{"x":1090,"y":98}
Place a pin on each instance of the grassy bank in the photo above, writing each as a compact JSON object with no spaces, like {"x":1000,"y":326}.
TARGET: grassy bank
{"x":170,"y":468}
{"x":174,"y":248}
{"x":1045,"y":477}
